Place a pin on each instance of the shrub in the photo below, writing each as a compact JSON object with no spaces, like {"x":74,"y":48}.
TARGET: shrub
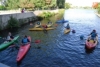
{"x":13,"y":23}
{"x":2,"y":8}
{"x":39,"y":18}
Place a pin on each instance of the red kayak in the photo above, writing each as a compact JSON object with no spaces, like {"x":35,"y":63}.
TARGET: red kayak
{"x":23,"y":50}
{"x":91,"y":43}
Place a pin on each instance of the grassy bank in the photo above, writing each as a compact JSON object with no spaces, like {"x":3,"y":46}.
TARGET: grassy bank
{"x":54,"y":18}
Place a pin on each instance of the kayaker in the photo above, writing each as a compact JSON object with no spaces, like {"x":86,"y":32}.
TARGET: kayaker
{"x":93,"y":35}
{"x":49,"y":22}
{"x":38,"y":23}
{"x":25,"y":40}
{"x":45,"y":27}
{"x":73,"y":31}
{"x":9,"y":37}
{"x":67,"y":27}
{"x":81,"y":37}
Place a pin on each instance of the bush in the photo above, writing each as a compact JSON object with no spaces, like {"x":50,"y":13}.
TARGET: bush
{"x":13,"y":23}
{"x":2,"y":8}
{"x":39,"y":18}
{"x":47,"y":15}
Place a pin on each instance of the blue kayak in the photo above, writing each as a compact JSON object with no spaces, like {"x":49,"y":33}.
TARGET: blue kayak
{"x":62,"y":21}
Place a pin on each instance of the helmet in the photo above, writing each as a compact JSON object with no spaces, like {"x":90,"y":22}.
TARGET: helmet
{"x":25,"y":35}
{"x":73,"y":31}
{"x":94,"y":30}
{"x":9,"y":33}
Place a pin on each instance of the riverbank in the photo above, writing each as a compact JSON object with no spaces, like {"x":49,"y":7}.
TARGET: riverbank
{"x":38,"y":12}
{"x":27,"y":16}
{"x":98,"y":14}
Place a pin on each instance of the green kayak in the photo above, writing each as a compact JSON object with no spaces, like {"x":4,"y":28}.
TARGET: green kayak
{"x":5,"y":45}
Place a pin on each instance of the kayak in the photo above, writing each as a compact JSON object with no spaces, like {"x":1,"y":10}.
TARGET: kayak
{"x":40,"y":29}
{"x":91,"y":43}
{"x":23,"y":50}
{"x":5,"y":45}
{"x":66,"y":31}
{"x":62,"y":21}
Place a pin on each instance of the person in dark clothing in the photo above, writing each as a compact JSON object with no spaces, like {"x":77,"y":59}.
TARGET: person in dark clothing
{"x":68,"y":27}
{"x":49,"y":22}
{"x":25,"y":40}
{"x":9,"y":37}
{"x":93,"y":35}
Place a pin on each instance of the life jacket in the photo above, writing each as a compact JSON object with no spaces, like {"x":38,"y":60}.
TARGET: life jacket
{"x":25,"y":40}
{"x":93,"y":34}
{"x":45,"y":26}
{"x":8,"y":38}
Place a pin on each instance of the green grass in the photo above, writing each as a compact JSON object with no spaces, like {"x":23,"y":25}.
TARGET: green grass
{"x":54,"y":18}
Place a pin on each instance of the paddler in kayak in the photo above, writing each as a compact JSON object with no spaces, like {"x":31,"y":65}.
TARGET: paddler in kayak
{"x":49,"y":22}
{"x":9,"y":38}
{"x":44,"y":28}
{"x":93,"y":35}
{"x":67,"y":27}
{"x":38,"y":24}
{"x":25,"y":40}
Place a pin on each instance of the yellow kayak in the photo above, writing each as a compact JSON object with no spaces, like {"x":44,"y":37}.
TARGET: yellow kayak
{"x":40,"y":29}
{"x":66,"y":31}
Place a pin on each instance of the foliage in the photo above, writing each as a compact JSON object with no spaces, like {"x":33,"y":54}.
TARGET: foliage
{"x":2,"y":7}
{"x":95,"y":5}
{"x":26,"y":4}
{"x":98,"y":9}
{"x":39,"y":18}
{"x":12,"y":23}
{"x":55,"y":17}
{"x":12,"y":4}
{"x":67,"y":5}
{"x":31,"y":4}
{"x":47,"y":15}
{"x":60,"y":3}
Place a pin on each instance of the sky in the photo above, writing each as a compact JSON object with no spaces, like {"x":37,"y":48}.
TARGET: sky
{"x":82,"y":2}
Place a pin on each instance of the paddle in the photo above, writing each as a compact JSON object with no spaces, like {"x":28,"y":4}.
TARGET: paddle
{"x":36,"y":41}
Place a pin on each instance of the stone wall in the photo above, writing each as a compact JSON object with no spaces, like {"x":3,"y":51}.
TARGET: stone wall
{"x":28,"y":16}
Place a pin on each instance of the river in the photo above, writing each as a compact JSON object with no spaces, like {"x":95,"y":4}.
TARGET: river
{"x":57,"y":49}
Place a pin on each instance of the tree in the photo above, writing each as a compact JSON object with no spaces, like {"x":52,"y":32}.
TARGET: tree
{"x":67,"y":5}
{"x":12,"y":4}
{"x":26,"y":4}
{"x":98,"y":8}
{"x":60,"y":3}
{"x":30,"y":4}
{"x":95,"y":5}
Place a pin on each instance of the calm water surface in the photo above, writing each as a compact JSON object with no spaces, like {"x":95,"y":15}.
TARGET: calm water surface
{"x":57,"y":49}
